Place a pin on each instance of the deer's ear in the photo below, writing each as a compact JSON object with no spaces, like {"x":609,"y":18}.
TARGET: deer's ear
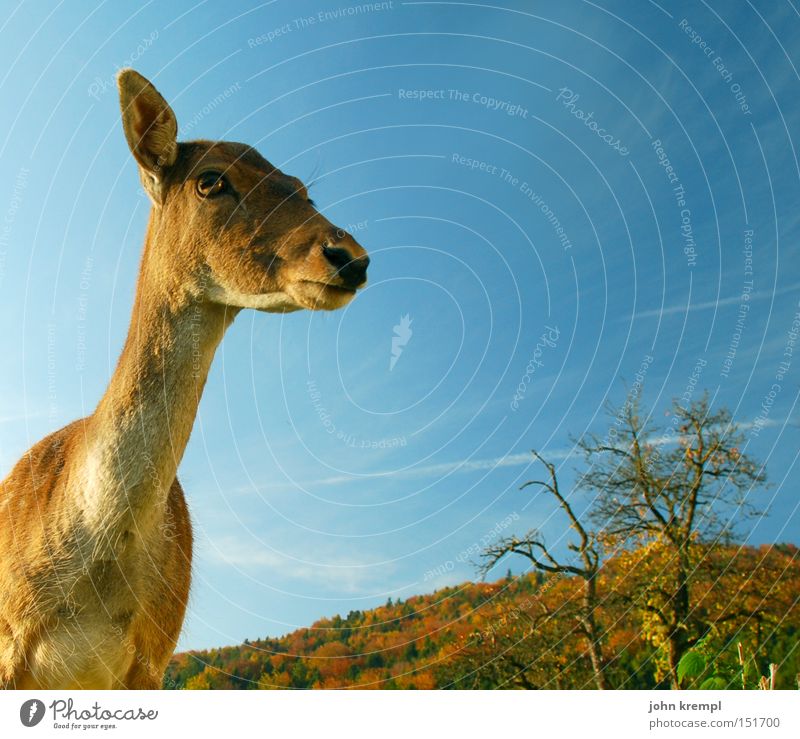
{"x":150,"y":128}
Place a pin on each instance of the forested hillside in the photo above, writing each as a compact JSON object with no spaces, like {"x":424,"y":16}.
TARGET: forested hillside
{"x":525,"y":632}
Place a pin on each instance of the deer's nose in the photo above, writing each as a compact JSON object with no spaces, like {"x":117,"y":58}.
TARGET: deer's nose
{"x":352,"y":270}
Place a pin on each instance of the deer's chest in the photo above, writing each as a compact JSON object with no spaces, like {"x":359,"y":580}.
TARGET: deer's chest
{"x":89,"y":612}
{"x":81,"y":651}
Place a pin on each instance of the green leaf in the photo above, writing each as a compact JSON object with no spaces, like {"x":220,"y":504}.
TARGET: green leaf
{"x":714,"y":683}
{"x":692,"y":664}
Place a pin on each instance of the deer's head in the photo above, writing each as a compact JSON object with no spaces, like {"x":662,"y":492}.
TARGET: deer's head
{"x":230,"y":227}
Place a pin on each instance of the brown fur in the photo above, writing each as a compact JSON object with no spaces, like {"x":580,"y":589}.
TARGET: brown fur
{"x":95,"y":537}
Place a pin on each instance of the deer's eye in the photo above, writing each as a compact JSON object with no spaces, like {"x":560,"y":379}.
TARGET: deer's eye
{"x":210,"y":184}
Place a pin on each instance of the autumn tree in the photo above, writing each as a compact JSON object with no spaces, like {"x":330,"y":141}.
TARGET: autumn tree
{"x":669,"y":488}
{"x":587,"y":550}
{"x":512,"y":649}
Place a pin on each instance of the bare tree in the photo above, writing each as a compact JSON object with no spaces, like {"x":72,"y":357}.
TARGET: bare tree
{"x":672,"y":487}
{"x":533,"y":548}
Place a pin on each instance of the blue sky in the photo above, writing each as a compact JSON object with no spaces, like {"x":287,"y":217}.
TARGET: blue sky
{"x":497,"y":212}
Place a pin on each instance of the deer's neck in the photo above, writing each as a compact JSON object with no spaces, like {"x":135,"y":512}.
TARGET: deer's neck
{"x":139,"y":431}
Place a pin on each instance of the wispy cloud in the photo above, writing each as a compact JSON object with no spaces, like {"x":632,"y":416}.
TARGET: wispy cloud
{"x":711,"y":304}
{"x":330,"y":571}
{"x":17,"y":417}
{"x":445,"y":468}
{"x":509,"y":460}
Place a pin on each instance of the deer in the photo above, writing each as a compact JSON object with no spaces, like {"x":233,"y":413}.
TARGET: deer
{"x":95,"y":534}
